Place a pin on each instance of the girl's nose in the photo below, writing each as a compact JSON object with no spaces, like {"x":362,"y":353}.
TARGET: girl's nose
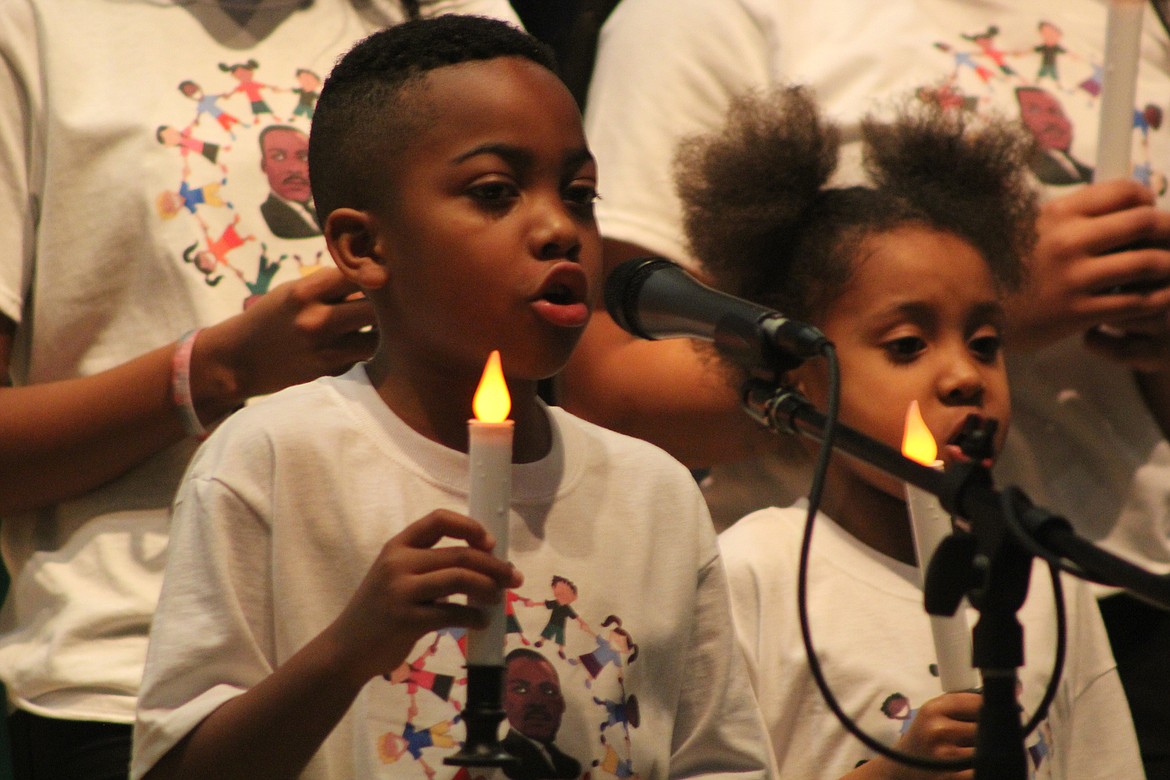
{"x":962,"y":382}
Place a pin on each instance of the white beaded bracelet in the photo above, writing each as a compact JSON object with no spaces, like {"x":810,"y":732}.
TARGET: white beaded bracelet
{"x":181,"y":386}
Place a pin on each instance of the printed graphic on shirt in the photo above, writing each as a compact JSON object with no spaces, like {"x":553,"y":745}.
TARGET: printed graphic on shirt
{"x":567,"y":711}
{"x":897,"y":707}
{"x":1038,"y":744}
{"x":240,"y":159}
{"x":1047,"y":83}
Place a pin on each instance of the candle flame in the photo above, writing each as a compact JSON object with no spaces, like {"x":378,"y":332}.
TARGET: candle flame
{"x":917,"y":443}
{"x":492,"y":402}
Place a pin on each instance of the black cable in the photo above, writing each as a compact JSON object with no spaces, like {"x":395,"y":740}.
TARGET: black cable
{"x":1011,"y":520}
{"x":816,"y":490}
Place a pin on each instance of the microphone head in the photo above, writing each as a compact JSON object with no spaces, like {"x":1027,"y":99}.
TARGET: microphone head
{"x":653,"y":298}
{"x":624,"y":285}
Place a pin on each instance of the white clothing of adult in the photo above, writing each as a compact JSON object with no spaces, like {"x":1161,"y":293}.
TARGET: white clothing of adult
{"x":289,"y":502}
{"x":130,"y":185}
{"x":1083,"y":444}
{"x":873,"y":638}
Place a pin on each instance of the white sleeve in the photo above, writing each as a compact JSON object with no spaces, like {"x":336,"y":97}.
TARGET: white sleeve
{"x":21,"y":151}
{"x":212,"y":637}
{"x":1098,"y":732}
{"x":745,"y":597}
{"x":718,"y":723}
{"x":1101,"y":740}
{"x":665,"y":70}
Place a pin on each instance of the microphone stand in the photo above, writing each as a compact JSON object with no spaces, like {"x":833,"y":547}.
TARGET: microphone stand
{"x":991,"y":563}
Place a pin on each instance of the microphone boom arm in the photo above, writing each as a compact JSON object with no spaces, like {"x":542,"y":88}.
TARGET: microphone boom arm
{"x":961,"y":491}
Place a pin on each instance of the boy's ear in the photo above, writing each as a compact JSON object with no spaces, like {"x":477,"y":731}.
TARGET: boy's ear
{"x":351,"y":236}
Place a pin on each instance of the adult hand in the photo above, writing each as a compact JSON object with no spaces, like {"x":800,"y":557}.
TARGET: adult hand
{"x":1142,"y":344}
{"x":104,"y":424}
{"x":1102,"y":257}
{"x":298,"y":331}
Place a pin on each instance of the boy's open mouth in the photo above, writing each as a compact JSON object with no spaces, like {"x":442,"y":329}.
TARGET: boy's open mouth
{"x":561,"y":299}
{"x":560,"y":295}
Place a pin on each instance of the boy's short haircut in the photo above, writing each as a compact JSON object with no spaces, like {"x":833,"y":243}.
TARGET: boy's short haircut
{"x":366,"y":113}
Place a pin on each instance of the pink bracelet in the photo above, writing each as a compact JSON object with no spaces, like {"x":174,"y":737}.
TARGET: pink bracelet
{"x":181,"y":386}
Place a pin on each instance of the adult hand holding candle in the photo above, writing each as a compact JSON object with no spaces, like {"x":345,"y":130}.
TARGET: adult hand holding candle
{"x":930,"y":525}
{"x":1123,"y":34}
{"x":490,"y":455}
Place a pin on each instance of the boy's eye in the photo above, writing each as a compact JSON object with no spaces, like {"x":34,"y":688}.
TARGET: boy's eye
{"x":986,"y":348}
{"x":493,"y":192}
{"x":905,"y":349}
{"x":581,"y":195}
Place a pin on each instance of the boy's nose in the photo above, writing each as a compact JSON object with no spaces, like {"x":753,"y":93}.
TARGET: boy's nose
{"x":556,"y":235}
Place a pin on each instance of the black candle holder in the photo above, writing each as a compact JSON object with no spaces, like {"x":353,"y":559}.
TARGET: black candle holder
{"x":482,"y":715}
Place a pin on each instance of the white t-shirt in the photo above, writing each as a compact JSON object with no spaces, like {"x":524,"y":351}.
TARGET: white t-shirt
{"x":289,"y":502}
{"x":1083,"y":444}
{"x":873,"y":638}
{"x":129,"y":214}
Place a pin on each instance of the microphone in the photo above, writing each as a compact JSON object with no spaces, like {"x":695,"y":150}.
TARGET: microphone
{"x":653,"y":298}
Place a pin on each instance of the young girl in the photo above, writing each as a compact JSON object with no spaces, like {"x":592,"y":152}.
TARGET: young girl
{"x":905,"y":275}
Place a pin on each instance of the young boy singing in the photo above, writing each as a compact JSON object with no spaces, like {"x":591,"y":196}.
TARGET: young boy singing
{"x":307,"y":625}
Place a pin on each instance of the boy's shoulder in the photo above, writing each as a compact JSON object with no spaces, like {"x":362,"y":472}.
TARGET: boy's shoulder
{"x":618,"y":447}
{"x":308,"y":412}
{"x":617,"y":464}
{"x":266,"y":410}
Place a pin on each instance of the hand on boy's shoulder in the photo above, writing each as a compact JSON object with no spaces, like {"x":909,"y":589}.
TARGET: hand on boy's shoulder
{"x":300,"y":330}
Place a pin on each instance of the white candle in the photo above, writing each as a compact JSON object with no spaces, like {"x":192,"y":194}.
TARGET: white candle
{"x":930,"y":524}
{"x":489,"y":502}
{"x":1123,"y":33}
{"x":952,"y":634}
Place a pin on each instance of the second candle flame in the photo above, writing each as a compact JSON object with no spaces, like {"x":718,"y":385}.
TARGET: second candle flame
{"x":917,"y":442}
{"x":492,"y":402}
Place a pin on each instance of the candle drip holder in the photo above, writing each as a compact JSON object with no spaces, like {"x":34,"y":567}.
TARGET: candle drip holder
{"x":482,"y":714}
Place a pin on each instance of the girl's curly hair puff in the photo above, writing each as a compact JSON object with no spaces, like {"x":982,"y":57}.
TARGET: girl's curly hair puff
{"x":766,"y":226}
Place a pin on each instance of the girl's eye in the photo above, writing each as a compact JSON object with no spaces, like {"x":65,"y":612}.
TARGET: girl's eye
{"x":986,"y":348}
{"x":905,"y":349}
